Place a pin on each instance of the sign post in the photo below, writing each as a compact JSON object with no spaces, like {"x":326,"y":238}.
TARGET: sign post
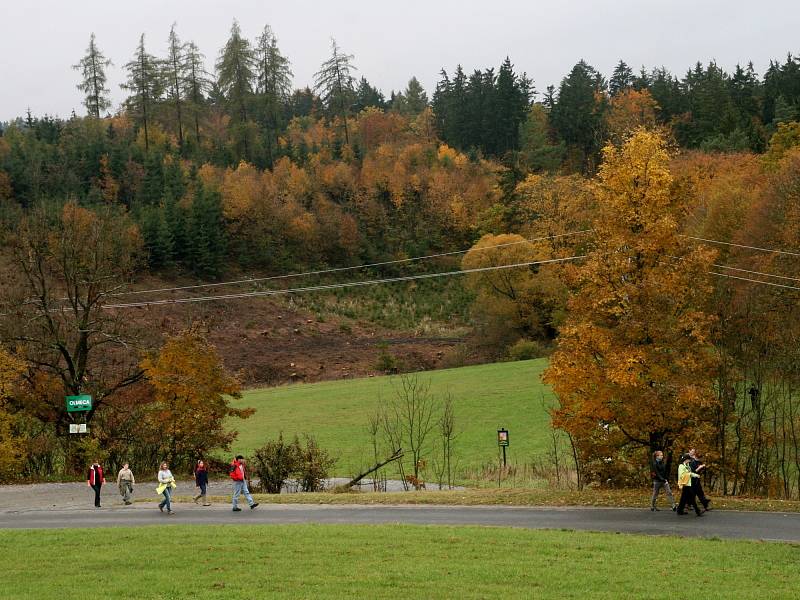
{"x":502,"y":441}
{"x":79,"y":403}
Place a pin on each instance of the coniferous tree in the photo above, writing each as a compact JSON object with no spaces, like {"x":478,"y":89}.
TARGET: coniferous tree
{"x":335,"y":84}
{"x":207,"y":233}
{"x":456,"y":131}
{"x":512,"y":102}
{"x":197,"y":82}
{"x":236,"y":72}
{"x":236,"y":76}
{"x":621,"y":79}
{"x":578,"y":116}
{"x":152,"y":189}
{"x":93,"y":79}
{"x":412,"y":101}
{"x":274,"y":85}
{"x":304,"y":103}
{"x":441,"y":104}
{"x":175,"y":220}
{"x":174,"y":75}
{"x":145,"y":84}
{"x":366,"y":95}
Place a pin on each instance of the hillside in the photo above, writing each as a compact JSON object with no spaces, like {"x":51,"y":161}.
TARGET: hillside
{"x":486,"y":397}
{"x":318,"y":337}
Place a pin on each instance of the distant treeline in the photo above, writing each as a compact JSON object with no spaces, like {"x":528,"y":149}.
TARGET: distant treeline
{"x":188,"y":145}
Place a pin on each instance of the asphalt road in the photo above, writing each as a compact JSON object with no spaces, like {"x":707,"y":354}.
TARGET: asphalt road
{"x":722,"y":524}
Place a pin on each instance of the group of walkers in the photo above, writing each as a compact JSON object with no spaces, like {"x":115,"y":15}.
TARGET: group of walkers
{"x":689,"y":484}
{"x":166,"y":484}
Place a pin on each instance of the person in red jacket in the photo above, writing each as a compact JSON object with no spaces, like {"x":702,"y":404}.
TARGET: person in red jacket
{"x":239,"y":476}
{"x":95,"y":480}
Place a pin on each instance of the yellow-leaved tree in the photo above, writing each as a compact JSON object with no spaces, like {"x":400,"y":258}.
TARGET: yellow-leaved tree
{"x":192,"y":398}
{"x":635,"y":363}
{"x":513,"y":302}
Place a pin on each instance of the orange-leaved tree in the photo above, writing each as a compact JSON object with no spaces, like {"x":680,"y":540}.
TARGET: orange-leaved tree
{"x":634,"y":365}
{"x":10,"y":447}
{"x":192,"y":398}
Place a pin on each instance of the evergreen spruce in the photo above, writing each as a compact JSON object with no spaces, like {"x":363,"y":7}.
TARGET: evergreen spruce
{"x":146,"y":86}
{"x":93,"y":79}
{"x":335,"y":84}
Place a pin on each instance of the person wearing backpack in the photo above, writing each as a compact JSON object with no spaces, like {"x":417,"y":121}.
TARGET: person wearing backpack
{"x":239,"y":477}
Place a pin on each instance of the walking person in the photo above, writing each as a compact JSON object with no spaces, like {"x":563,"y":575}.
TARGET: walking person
{"x":201,"y":481}
{"x":125,"y":481}
{"x":166,"y":483}
{"x":658,"y":470}
{"x":95,"y":480}
{"x":697,"y":485}
{"x":239,"y":477}
{"x":685,"y":477}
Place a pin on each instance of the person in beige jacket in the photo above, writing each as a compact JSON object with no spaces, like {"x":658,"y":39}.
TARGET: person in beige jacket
{"x":125,"y":481}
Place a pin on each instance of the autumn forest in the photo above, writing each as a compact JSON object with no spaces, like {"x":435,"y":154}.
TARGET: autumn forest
{"x":640,"y":228}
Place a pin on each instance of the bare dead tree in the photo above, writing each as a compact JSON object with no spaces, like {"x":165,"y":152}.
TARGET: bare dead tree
{"x":448,"y":435}
{"x":413,"y":410}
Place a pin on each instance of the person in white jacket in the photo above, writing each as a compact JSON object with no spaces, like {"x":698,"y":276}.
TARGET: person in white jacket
{"x":166,"y":482}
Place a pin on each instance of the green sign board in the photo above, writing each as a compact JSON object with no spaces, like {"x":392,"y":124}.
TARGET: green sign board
{"x":79,"y":403}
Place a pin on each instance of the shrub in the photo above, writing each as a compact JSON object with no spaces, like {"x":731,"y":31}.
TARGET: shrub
{"x":274,"y":463}
{"x":526,"y":350}
{"x":277,"y":461}
{"x":313,"y":465}
{"x":386,"y":363}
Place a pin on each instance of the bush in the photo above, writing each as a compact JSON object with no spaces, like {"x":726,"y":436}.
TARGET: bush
{"x":527,"y":349}
{"x":386,"y":363}
{"x":313,"y":465}
{"x":274,"y":463}
{"x":277,"y":461}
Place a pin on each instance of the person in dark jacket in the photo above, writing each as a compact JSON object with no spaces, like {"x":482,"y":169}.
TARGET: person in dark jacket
{"x":658,"y":470}
{"x":201,"y":481}
{"x":697,"y":486}
{"x":95,"y":480}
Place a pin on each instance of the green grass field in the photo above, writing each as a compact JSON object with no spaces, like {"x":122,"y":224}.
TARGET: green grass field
{"x":385,"y":561}
{"x":486,"y":397}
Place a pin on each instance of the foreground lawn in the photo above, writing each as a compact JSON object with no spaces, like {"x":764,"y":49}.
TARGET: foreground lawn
{"x":486,"y":397}
{"x":386,"y":561}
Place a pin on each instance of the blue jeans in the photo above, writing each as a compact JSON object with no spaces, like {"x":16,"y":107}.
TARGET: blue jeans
{"x":167,"y":493}
{"x":240,"y":487}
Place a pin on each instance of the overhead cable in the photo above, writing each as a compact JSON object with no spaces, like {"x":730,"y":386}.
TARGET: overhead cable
{"x":340,"y":269}
{"x":332,"y":286}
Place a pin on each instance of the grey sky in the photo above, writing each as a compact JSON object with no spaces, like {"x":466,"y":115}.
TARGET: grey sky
{"x":40,"y":39}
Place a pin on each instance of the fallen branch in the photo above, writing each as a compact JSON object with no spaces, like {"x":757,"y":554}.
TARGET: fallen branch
{"x":395,"y":456}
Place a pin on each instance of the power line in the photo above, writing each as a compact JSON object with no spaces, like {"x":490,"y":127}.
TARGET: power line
{"x":778,"y":285}
{"x":332,"y":286}
{"x":340,"y":269}
{"x":787,"y":252}
{"x":756,"y":272}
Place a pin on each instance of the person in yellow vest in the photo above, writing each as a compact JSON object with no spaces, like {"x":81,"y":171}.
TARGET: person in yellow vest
{"x":685,"y":485}
{"x":166,"y":483}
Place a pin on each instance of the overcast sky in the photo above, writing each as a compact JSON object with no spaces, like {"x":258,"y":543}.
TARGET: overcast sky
{"x":391,"y":41}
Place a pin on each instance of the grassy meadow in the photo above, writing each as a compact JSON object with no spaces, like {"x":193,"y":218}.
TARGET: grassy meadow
{"x":386,"y":561}
{"x":486,"y":397}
